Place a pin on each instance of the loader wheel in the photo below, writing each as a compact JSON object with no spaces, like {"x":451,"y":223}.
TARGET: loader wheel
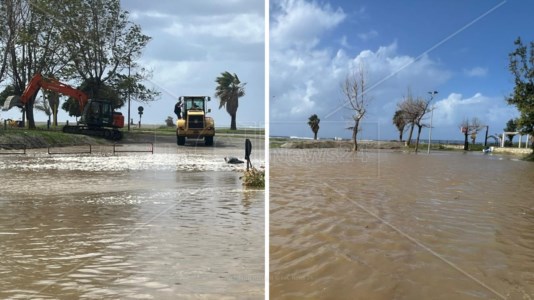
{"x":180,"y":140}
{"x":208,"y":140}
{"x":117,"y":135}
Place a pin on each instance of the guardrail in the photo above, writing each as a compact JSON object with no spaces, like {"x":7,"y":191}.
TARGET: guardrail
{"x":60,"y":149}
{"x":9,"y":147}
{"x":115,"y":146}
{"x":83,"y":151}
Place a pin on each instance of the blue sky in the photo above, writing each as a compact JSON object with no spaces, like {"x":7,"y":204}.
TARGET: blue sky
{"x":192,"y":43}
{"x":458,"y":48}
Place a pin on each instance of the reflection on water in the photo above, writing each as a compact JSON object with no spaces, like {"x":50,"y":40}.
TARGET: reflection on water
{"x":162,"y":226}
{"x":388,"y":225}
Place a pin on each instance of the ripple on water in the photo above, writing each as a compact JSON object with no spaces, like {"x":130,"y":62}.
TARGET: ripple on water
{"x":91,"y":227}
{"x":337,"y":231}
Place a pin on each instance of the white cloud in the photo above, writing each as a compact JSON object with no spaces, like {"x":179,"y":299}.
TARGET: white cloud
{"x":244,"y":28}
{"x":197,"y":8}
{"x":301,"y":23}
{"x":476,"y":72}
{"x":176,"y":79}
{"x":193,"y":42}
{"x":451,"y":111}
{"x":294,"y":72}
{"x":364,"y":36}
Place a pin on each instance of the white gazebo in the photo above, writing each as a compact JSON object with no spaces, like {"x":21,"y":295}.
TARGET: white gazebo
{"x":505,"y":133}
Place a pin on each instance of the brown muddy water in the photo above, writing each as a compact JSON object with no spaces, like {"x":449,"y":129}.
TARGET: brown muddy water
{"x":393,"y":225}
{"x":176,"y":224}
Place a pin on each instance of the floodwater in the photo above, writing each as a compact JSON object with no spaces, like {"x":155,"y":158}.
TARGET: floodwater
{"x":393,"y":225}
{"x":176,"y":224}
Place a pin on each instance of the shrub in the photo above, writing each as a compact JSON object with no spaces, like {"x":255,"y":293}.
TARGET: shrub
{"x":254,"y":178}
{"x":170,"y":122}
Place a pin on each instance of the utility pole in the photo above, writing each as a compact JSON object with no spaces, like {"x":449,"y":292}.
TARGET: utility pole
{"x":486,"y":138}
{"x":431,"y":116}
{"x":129,"y":89}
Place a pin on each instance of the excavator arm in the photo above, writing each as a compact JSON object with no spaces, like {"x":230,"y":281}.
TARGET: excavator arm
{"x":36,"y":83}
{"x":97,"y":117}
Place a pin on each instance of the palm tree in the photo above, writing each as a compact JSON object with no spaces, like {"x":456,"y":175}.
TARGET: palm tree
{"x":313,"y":121}
{"x":399,"y":121}
{"x":228,"y":90}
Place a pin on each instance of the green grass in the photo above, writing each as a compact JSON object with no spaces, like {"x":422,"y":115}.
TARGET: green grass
{"x":39,"y":137}
{"x":172,"y":130}
{"x":163,"y":129}
{"x":276,"y":142}
{"x":43,"y":136}
{"x":255,"y":131}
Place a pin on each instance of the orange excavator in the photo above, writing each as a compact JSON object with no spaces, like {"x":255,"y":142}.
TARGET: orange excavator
{"x":97,"y":116}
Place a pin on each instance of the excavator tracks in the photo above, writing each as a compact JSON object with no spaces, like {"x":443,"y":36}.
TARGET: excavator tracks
{"x":109,"y":134}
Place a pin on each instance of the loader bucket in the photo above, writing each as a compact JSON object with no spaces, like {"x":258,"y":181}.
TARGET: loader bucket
{"x":12,"y":101}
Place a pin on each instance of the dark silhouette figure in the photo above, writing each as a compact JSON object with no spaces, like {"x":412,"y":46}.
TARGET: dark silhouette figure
{"x":178,"y":109}
{"x":248,"y":150}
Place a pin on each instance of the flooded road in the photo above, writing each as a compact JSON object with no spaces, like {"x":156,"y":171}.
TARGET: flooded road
{"x":176,"y":224}
{"x":392,"y":225}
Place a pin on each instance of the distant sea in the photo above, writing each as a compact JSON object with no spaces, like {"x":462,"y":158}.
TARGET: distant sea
{"x":422,"y":141}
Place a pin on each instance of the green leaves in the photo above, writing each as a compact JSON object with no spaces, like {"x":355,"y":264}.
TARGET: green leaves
{"x":313,"y":122}
{"x":522,"y":67}
{"x":88,"y":41}
{"x":229,"y":89}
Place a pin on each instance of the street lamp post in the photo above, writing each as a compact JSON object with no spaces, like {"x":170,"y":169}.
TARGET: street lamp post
{"x":486,"y":137}
{"x":129,"y":90}
{"x":431,"y":116}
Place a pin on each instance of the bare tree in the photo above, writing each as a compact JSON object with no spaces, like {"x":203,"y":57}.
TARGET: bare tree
{"x":406,"y":110}
{"x":464,"y":126}
{"x":354,"y":92}
{"x":415,"y":110}
{"x":476,"y":126}
{"x":470,"y":128}
{"x":421,"y":108}
{"x":399,"y":121}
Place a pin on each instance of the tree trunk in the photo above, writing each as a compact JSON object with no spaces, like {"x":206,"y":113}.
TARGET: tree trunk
{"x":418,"y":135}
{"x":29,"y":113}
{"x":355,"y":135}
{"x":315,"y":135}
{"x":400,"y":135}
{"x":409,"y":140}
{"x":466,"y":143}
{"x":53,"y":101}
{"x":232,"y":125}
{"x":54,"y":112}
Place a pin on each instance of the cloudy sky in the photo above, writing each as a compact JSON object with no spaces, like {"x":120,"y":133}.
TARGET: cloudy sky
{"x":192,"y":43}
{"x":458,"y":48}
